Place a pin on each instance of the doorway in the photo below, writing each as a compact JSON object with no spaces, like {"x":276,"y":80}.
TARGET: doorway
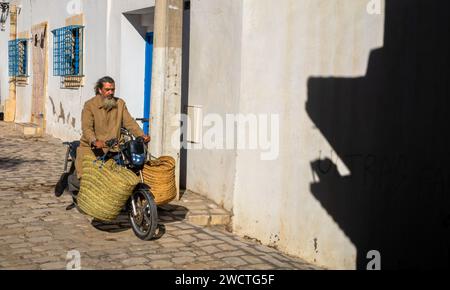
{"x":39,"y":47}
{"x":136,"y":64}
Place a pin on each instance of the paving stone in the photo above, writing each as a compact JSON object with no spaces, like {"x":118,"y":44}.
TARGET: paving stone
{"x":117,"y":257}
{"x":235,"y":261}
{"x":252,"y":259}
{"x":109,"y":266}
{"x":46,"y":259}
{"x":196,"y":266}
{"x":203,"y":236}
{"x":39,"y":239}
{"x":25,"y":267}
{"x":13,"y":263}
{"x":226,"y":247}
{"x":173,"y":245}
{"x":53,"y":266}
{"x":205,"y":258}
{"x":159,"y":257}
{"x":187,"y":238}
{"x":211,"y":249}
{"x":183,"y":260}
{"x":186,"y":253}
{"x":261,"y":266}
{"x":273,"y":260}
{"x":20,"y":251}
{"x":229,"y":254}
{"x":134,"y":261}
{"x":138,"y":267}
{"x":161,"y":264}
{"x":204,"y":243}
{"x":38,"y":234}
{"x":187,"y":232}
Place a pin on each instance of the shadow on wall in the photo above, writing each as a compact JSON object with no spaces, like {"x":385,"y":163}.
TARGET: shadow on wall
{"x":391,"y":129}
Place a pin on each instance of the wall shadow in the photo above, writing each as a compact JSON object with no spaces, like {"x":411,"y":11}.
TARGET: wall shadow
{"x":391,"y":129}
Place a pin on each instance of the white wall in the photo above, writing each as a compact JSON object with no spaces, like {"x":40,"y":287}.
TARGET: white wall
{"x":255,"y":57}
{"x":283,"y":45}
{"x":214,"y":80}
{"x":132,"y":71}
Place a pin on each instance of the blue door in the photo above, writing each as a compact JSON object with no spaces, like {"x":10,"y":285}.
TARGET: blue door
{"x":148,"y":79}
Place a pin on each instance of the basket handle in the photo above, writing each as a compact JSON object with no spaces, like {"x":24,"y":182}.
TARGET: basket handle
{"x":156,"y":161}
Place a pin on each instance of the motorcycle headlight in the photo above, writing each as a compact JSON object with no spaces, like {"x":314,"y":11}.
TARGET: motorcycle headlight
{"x":137,"y":158}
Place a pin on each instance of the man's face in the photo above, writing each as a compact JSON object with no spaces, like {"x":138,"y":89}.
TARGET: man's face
{"x":108,"y":90}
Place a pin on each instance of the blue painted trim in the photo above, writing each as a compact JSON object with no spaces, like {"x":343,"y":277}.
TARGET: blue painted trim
{"x":18,"y":58}
{"x":148,"y":79}
{"x":68,"y":51}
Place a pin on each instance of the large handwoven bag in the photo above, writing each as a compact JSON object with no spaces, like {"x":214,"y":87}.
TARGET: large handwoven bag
{"x":159,"y":174}
{"x":105,"y":188}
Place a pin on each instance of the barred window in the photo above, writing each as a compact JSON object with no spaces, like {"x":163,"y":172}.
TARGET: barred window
{"x":18,"y":58}
{"x":68,"y":51}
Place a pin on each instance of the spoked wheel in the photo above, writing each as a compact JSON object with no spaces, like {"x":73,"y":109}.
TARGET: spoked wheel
{"x":143,"y":214}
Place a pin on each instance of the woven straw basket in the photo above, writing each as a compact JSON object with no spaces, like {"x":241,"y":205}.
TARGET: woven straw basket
{"x":105,"y":188}
{"x":159,"y":174}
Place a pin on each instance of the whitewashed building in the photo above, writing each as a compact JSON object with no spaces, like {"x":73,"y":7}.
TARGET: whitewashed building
{"x":261,"y":71}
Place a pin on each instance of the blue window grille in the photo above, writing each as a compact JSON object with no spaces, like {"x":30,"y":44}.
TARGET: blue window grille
{"x":18,"y":57}
{"x":68,"y":51}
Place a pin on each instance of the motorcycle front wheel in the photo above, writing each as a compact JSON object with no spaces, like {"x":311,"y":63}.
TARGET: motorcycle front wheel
{"x":143,"y":213}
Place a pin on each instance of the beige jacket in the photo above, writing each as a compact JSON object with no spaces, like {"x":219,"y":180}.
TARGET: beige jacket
{"x":98,"y":124}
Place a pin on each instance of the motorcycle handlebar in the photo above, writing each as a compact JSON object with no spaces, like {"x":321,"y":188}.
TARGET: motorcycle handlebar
{"x":111,"y":143}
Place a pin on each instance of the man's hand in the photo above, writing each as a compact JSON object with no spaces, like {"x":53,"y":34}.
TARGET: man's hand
{"x":147,"y":139}
{"x":98,"y":144}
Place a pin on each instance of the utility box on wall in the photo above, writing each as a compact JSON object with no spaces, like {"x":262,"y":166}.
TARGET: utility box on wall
{"x":194,"y":124}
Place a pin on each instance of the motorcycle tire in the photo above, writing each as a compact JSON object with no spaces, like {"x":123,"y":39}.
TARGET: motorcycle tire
{"x":145,"y":223}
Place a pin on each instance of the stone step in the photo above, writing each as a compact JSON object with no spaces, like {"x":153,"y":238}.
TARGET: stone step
{"x":28,"y":130}
{"x":198,"y":210}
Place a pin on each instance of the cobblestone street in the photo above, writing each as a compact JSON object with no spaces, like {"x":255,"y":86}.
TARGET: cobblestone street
{"x":36,"y":231}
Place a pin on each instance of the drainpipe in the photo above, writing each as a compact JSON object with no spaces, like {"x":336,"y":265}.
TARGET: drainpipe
{"x":166,"y":81}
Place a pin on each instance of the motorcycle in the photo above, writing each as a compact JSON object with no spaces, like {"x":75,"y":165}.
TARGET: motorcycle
{"x":132,"y":154}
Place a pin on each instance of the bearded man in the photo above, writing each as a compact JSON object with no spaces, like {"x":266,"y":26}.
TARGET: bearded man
{"x":101,"y":120}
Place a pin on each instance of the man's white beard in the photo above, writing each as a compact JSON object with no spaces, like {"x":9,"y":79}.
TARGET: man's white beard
{"x":109,"y":103}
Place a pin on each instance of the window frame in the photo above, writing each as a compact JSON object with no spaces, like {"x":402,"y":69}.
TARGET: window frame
{"x":18,"y":60}
{"x":68,"y":56}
